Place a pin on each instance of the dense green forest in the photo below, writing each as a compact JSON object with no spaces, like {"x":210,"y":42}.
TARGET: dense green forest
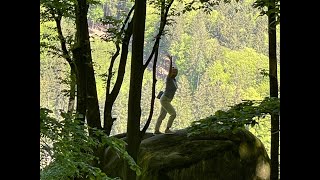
{"x":221,"y":54}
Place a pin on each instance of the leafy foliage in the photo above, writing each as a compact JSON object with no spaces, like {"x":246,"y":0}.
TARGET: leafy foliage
{"x":206,"y":5}
{"x":247,"y":112}
{"x":214,"y":74}
{"x":72,"y":149}
{"x":267,"y":8}
{"x":51,"y":9}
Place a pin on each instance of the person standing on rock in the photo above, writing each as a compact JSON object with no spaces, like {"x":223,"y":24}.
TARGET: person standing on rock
{"x":166,"y":98}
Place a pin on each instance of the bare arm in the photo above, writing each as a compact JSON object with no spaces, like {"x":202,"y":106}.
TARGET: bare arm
{"x":170,"y":67}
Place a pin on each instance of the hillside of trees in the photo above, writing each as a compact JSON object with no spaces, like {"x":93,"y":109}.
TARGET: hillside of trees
{"x":221,"y":54}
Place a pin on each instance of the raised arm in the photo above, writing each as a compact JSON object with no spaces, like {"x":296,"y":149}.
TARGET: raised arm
{"x":170,"y":67}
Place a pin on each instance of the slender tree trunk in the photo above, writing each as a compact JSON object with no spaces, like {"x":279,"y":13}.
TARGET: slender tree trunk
{"x":66,"y":55}
{"x":273,"y":92}
{"x":136,"y":77}
{"x":153,"y":91}
{"x":108,"y":119}
{"x":111,"y":97}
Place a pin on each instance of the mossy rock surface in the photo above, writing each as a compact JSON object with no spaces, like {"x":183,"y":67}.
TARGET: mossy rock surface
{"x":237,"y":155}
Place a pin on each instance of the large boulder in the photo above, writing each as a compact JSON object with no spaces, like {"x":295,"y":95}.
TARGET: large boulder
{"x":234,"y":155}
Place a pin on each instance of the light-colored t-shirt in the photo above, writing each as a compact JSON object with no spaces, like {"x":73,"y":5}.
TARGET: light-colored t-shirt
{"x":171,"y":87}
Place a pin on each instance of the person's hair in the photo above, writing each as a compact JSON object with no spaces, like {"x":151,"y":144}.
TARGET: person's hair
{"x":174,"y":68}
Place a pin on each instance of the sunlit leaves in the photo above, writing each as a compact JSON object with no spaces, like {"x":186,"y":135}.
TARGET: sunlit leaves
{"x":50,"y":9}
{"x":71,"y":148}
{"x":206,"y":5}
{"x":266,"y":7}
{"x":248,"y":112}
{"x":113,"y":33}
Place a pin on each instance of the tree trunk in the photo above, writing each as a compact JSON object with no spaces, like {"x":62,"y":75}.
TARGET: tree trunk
{"x":87,"y":101}
{"x":81,"y":84}
{"x":108,"y":120}
{"x":136,"y":77}
{"x":66,"y":55}
{"x":93,"y":110}
{"x":72,"y":96}
{"x":273,"y":92}
{"x":87,"y":91}
{"x":111,"y":97}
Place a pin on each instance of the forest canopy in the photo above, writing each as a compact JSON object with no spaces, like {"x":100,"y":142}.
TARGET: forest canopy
{"x":221,"y":51}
